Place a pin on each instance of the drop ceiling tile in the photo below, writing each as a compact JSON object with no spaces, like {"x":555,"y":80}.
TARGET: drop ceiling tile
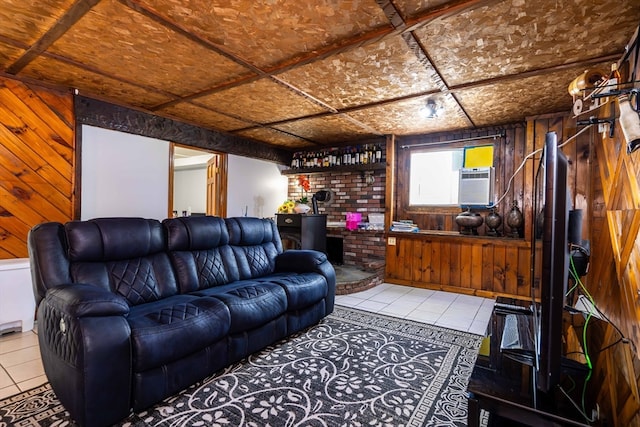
{"x":89,"y":84}
{"x":147,"y":52}
{"x":262,"y":101}
{"x":364,"y":75}
{"x":266,"y":33}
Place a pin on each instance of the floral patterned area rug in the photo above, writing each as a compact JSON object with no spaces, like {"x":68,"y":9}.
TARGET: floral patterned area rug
{"x":352,"y":369}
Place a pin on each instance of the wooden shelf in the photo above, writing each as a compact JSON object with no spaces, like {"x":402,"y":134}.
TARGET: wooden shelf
{"x":454,"y":236}
{"x":342,"y":168}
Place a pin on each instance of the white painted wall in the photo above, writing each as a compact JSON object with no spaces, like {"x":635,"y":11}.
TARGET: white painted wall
{"x":128,"y":175}
{"x":123,"y":175}
{"x":190,"y":189}
{"x":255,"y":186}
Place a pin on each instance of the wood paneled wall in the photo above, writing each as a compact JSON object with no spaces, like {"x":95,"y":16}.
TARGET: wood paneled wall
{"x":614,"y":277}
{"x":472,"y":265}
{"x":520,"y":141}
{"x":486,"y":266}
{"x":37,"y":167}
{"x":509,"y":151}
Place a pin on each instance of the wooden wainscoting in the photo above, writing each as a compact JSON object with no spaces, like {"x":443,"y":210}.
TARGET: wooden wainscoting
{"x":482,"y":266}
{"x":36,"y":172}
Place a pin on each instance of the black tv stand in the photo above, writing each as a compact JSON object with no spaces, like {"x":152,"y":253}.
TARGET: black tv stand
{"x":504,"y":386}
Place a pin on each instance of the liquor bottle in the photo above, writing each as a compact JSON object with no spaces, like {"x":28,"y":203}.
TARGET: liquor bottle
{"x":378,"y":154}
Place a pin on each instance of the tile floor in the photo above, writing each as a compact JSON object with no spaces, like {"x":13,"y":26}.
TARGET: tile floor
{"x":454,"y":311}
{"x":21,"y":367}
{"x":20,"y":364}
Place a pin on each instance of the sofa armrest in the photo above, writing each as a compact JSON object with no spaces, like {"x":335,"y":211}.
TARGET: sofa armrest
{"x":80,"y":300}
{"x":309,"y":261}
{"x":85,"y":344}
{"x":300,"y":261}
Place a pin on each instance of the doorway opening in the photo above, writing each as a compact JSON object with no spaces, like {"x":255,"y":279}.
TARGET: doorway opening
{"x":198,"y":182}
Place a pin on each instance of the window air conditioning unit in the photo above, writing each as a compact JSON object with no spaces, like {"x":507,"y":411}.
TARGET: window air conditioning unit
{"x":476,"y":187}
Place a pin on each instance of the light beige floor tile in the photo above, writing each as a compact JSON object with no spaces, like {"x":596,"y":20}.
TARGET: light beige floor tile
{"x":454,"y":323}
{"x":424,"y":316}
{"x":25,"y":371}
{"x":33,"y":382}
{"x":9,"y":391}
{"x":373,"y":306}
{"x":5,"y":379}
{"x":20,"y":356}
{"x":13,"y":342}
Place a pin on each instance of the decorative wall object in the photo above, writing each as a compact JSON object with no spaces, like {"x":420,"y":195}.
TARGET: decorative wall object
{"x":515,"y":220}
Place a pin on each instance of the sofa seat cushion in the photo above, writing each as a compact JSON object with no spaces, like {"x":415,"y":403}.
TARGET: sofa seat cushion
{"x":172,"y":328}
{"x":251,"y":304}
{"x":303,"y":289}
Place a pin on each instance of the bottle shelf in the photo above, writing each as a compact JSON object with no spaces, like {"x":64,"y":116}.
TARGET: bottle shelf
{"x":341,"y":168}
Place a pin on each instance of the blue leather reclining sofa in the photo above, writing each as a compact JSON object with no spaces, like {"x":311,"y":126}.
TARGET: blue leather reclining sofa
{"x":131,"y":310}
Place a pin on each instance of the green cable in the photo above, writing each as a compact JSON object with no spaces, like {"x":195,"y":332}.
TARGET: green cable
{"x":584,"y":332}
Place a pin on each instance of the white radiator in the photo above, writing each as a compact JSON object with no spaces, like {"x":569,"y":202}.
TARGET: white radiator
{"x":17,"y":304}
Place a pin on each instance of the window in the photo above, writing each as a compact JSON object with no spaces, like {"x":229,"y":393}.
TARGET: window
{"x":433,"y":177}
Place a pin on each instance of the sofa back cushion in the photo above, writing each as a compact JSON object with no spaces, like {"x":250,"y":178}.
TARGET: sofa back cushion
{"x":255,"y":243}
{"x":124,"y":255}
{"x":200,"y":252}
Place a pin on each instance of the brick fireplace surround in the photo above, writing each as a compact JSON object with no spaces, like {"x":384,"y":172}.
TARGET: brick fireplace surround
{"x":363,"y":249}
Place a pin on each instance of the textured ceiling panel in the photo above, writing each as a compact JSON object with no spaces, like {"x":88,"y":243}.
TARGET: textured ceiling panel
{"x":205,"y":117}
{"x":266,"y":33}
{"x":503,"y":102}
{"x":273,"y":136}
{"x":406,"y":117}
{"x":8,"y":54}
{"x":363,"y":75}
{"x":157,"y":56}
{"x":328,"y":129}
{"x":63,"y":74}
{"x":263,"y":101}
{"x":411,"y":8}
{"x":514,"y":36}
{"x":318,"y":72}
{"x":25,"y":21}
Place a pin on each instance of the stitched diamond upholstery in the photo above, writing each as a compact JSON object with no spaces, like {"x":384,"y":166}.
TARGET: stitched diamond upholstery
{"x":200,"y":252}
{"x":252,"y":305}
{"x":255,"y":243}
{"x":131,"y":310}
{"x":124,"y":255}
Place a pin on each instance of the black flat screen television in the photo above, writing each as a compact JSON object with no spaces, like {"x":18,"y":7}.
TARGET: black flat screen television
{"x":555,"y":265}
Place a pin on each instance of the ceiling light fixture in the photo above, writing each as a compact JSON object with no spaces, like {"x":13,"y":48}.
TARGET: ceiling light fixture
{"x":431,"y":110}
